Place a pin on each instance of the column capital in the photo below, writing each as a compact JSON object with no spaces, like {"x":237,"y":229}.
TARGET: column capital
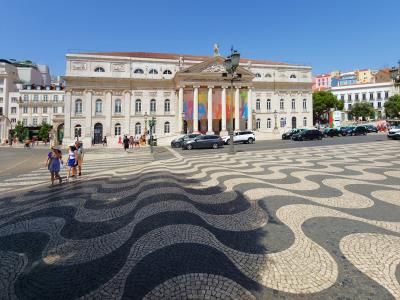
{"x":210,"y":86}
{"x":181,"y":86}
{"x":196,"y":86}
{"x":224,"y":86}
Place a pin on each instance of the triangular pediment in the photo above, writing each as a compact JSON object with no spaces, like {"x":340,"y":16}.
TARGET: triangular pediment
{"x":213,"y":65}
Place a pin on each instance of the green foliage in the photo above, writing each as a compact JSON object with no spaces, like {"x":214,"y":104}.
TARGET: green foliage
{"x":392,"y":107}
{"x":362,"y":109}
{"x":323,"y":102}
{"x":20,"y":132}
{"x":44,"y":131}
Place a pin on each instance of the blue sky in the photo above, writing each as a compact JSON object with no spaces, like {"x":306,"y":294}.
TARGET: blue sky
{"x":328,"y":35}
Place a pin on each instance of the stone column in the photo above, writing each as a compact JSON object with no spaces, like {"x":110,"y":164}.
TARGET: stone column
{"x":87,"y":112}
{"x":209,"y":111}
{"x":67,"y":117}
{"x":180,"y":110}
{"x":223,"y":112}
{"x":196,"y":109}
{"x":250,"y":109}
{"x":108,"y":114}
{"x":237,"y":112}
{"x":127,"y":109}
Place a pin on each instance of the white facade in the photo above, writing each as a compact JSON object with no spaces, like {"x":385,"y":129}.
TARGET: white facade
{"x":374,"y":93}
{"x":104,"y":90}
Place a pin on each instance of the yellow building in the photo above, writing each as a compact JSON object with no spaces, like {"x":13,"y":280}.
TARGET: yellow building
{"x":364,"y":76}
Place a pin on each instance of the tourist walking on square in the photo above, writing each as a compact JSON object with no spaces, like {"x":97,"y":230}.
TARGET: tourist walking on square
{"x":126,"y":143}
{"x":53,"y":164}
{"x":72,"y":156}
{"x":131,"y":141}
{"x":105,"y":141}
{"x":79,"y":151}
{"x":137,"y":141}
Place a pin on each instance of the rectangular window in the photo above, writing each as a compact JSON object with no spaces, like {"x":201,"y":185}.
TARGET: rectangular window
{"x":26,"y":98}
{"x":55,"y":98}
{"x":386,"y":95}
{"x":35,"y":110}
{"x":13,"y":110}
{"x":379,"y":96}
{"x":25,"y":110}
{"x":44,"y":120}
{"x":45,"y":98}
{"x":379,"y":104}
{"x":35,"y":97}
{"x":54,"y":110}
{"x":371,"y":96}
{"x":34,"y":121}
{"x":45,"y":110}
{"x":356,"y":97}
{"x":342,"y":97}
{"x":13,"y":120}
{"x":25,"y":121}
{"x":364,"y":96}
{"x":14,"y":99}
{"x":62,"y":97}
{"x":349,"y":97}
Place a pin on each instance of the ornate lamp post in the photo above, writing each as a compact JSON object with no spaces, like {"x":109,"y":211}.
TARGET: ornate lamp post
{"x":152,"y":123}
{"x":231,"y":63}
{"x":275,"y":131}
{"x":9,"y":133}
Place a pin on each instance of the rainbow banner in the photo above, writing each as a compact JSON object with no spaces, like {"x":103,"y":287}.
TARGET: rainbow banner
{"x":203,"y":95}
{"x":243,"y":111}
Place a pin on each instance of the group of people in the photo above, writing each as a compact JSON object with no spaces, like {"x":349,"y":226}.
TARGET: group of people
{"x":132,"y":141}
{"x":55,"y":163}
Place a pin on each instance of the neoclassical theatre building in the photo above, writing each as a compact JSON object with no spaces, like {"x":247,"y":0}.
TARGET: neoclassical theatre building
{"x":113,"y":94}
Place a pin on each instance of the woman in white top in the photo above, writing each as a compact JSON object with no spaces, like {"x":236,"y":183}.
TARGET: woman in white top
{"x":72,"y":160}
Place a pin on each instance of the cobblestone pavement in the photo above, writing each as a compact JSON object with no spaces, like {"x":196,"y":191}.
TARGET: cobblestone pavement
{"x":303,"y":223}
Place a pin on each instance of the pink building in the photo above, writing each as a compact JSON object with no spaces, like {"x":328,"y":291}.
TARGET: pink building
{"x":322,"y":82}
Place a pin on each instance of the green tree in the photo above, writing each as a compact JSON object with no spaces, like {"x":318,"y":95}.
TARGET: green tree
{"x":20,"y":132}
{"x":323,"y":102}
{"x":44,"y":132}
{"x":392,"y":107}
{"x":362,"y":110}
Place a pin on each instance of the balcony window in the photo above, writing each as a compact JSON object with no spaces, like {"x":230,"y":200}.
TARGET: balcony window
{"x":268,"y":104}
{"x":167,"y":106}
{"x":78,"y":107}
{"x":258,"y":105}
{"x":99,"y":106}
{"x":117,"y":106}
{"x":138,"y":106}
{"x":153,"y":105}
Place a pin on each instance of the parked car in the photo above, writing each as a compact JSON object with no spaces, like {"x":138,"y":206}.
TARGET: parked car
{"x":371,"y":128}
{"x":288,"y":135}
{"x":178,"y":142}
{"x":203,"y":141}
{"x":343,"y":130}
{"x":245,"y":137}
{"x":394,"y":133}
{"x":308,"y":134}
{"x":331,"y":132}
{"x":358,"y":130}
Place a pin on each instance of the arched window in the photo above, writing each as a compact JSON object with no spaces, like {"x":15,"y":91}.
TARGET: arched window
{"x":293,"y":104}
{"x":78,"y":106}
{"x":282,"y":104}
{"x":117,"y":106}
{"x":117,"y":129}
{"x":99,"y":106}
{"x":153,"y":71}
{"x":138,"y":128}
{"x":269,"y":123}
{"x":305,"y":122}
{"x":138,"y":106}
{"x":258,"y":124}
{"x":138,"y":71}
{"x":292,"y":76}
{"x":167,"y":105}
{"x":268,"y":75}
{"x":258,"y":75}
{"x":99,"y":69}
{"x":268,"y":104}
{"x":78,"y":131}
{"x":258,"y":104}
{"x":166,"y":127}
{"x":304,"y":104}
{"x":167,"y":72}
{"x":152,"y":105}
{"x":283,"y":122}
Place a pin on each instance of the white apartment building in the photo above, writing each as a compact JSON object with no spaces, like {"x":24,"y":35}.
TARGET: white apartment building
{"x":112,"y":94}
{"x":374,"y":93}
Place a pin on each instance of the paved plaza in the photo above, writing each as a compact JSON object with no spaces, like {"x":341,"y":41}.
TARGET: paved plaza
{"x":298,"y":223}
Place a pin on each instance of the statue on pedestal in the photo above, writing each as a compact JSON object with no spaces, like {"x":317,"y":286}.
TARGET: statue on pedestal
{"x":216,"y":49}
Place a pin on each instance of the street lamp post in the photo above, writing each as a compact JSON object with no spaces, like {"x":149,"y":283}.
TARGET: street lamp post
{"x":231,"y":63}
{"x":9,"y":133}
{"x":145,"y":128}
{"x":183,"y":122}
{"x":276,"y":123}
{"x":152,"y":123}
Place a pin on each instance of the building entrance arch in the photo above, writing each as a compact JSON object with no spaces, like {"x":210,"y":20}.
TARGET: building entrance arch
{"x":98,"y":133}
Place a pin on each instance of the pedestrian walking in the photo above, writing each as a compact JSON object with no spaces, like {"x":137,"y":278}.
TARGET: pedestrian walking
{"x":79,"y":151}
{"x":53,"y":164}
{"x":72,"y":156}
{"x":105,"y":141}
{"x":131,"y":141}
{"x":126,"y":143}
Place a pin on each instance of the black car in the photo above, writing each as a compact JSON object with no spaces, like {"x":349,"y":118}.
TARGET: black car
{"x":343,"y":130}
{"x":203,"y":141}
{"x":288,"y":135}
{"x":331,"y":132}
{"x":178,"y":142}
{"x":309,"y":134}
{"x":371,"y":128}
{"x":358,"y":130}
